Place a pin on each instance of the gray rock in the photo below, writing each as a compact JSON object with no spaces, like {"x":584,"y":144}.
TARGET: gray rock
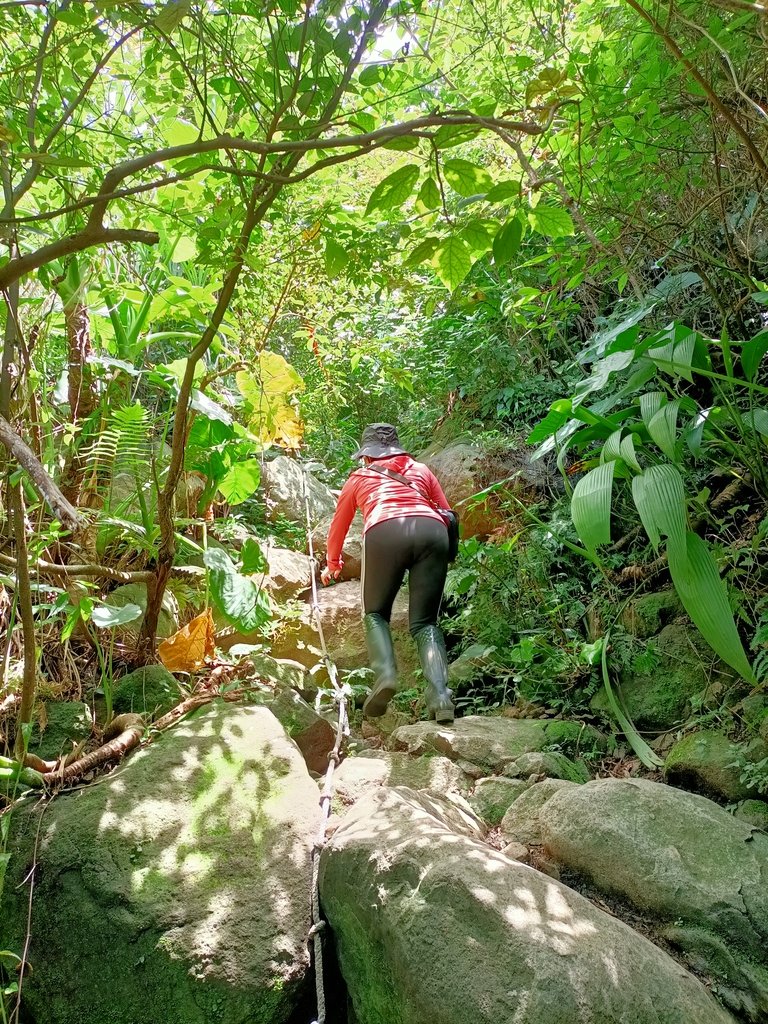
{"x":282,"y":672}
{"x":151,"y":690}
{"x":549,"y":763}
{"x":521,"y":823}
{"x":351,"y":552}
{"x":486,"y":741}
{"x":313,"y":735}
{"x":289,"y":573}
{"x":433,"y":925}
{"x":682,"y":859}
{"x":372,"y":769}
{"x":282,"y":482}
{"x":708,"y":762}
{"x":178,"y":886}
{"x":66,"y":723}
{"x":492,"y":798}
{"x":645,"y":616}
{"x":575,"y":738}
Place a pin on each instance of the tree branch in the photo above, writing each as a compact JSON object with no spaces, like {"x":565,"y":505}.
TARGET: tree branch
{"x":81,"y":571}
{"x":45,"y":487}
{"x":91,"y":236}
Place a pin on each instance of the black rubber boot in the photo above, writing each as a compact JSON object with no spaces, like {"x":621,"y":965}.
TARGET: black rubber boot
{"x":434,"y":664}
{"x":381,"y":656}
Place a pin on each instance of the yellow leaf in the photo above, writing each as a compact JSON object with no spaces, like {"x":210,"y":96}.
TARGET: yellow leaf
{"x":309,"y":234}
{"x":270,"y":390}
{"x":188,"y":650}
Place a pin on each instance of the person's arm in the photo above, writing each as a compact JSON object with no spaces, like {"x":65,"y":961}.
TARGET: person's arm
{"x":435,"y":491}
{"x":342,"y":517}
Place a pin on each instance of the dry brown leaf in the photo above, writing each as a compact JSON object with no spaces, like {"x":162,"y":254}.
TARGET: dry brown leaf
{"x":188,"y":650}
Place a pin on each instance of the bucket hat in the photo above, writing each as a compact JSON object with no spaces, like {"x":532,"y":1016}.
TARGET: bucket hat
{"x":378,"y":441}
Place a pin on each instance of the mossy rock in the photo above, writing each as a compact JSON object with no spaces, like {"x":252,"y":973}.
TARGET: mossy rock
{"x":551,"y":764}
{"x":754,"y":711}
{"x":493,"y":797}
{"x":706,"y":762}
{"x":179,"y":887}
{"x":754,"y":812}
{"x":687,"y":671}
{"x":67,"y":722}
{"x":576,"y":737}
{"x":136,"y":593}
{"x":647,"y":615}
{"x":151,"y":690}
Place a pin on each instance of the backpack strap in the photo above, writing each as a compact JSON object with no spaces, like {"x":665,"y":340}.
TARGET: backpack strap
{"x":403,"y":480}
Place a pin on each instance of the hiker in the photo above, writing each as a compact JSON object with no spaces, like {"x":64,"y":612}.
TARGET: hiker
{"x":402,"y":530}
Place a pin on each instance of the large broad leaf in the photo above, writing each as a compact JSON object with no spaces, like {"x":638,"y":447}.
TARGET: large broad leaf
{"x":757,"y":419}
{"x":106,"y":616}
{"x":394,"y":189}
{"x":704,"y":596}
{"x":558,"y":415}
{"x":551,"y":220}
{"x":336,"y":257}
{"x":676,"y":358}
{"x":270,"y":390}
{"x":612,"y":447}
{"x":241,"y":481}
{"x":507,"y":241}
{"x":591,"y":506}
{"x":650,"y":403}
{"x":242,"y":603}
{"x":452,"y":261}
{"x":252,"y":558}
{"x":466,"y":178}
{"x":429,"y":195}
{"x":659,"y":496}
{"x":422,"y":252}
{"x":627,"y":451}
{"x":662,"y":427}
{"x":454,"y":134}
{"x":752,"y":354}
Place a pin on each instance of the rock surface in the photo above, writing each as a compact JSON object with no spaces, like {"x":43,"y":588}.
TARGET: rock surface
{"x":176,"y":890}
{"x":66,"y":723}
{"x":432,"y":925}
{"x":372,"y":769}
{"x":343,"y":629}
{"x":282,"y":483}
{"x":681,"y":858}
{"x":521,"y":823}
{"x":482,"y":740}
{"x":687,"y":669}
{"x":549,"y":763}
{"x":708,"y":762}
{"x":647,"y":615}
{"x":351,"y":552}
{"x":492,"y":798}
{"x":289,"y":573}
{"x":151,"y":690}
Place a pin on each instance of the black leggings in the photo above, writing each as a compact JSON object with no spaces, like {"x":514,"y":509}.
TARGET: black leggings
{"x":416,"y":544}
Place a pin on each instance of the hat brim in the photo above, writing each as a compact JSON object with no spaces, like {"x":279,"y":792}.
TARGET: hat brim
{"x":378,"y":451}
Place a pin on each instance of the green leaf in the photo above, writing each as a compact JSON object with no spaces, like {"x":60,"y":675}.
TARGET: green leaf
{"x":552,"y":422}
{"x":659,"y":496}
{"x":507,"y":241}
{"x":105,"y":615}
{"x":650,"y":403}
{"x":185,"y":248}
{"x":476,"y":235}
{"x":504,"y":190}
{"x":466,"y":178}
{"x":394,"y":189}
{"x":704,"y":596}
{"x":422,"y":252}
{"x":403,"y":144}
{"x":752,"y":353}
{"x":252,"y":558}
{"x":612,"y":447}
{"x":676,"y":358}
{"x":648,"y":757}
{"x":551,"y":220}
{"x":241,"y":602}
{"x":336,"y":258}
{"x":429,"y":195}
{"x":205,"y":405}
{"x":627,"y":451}
{"x":591,"y":506}
{"x":452,"y":261}
{"x":179,"y":133}
{"x":662,"y":427}
{"x":757,"y":419}
{"x":454,"y":134}
{"x":241,"y":481}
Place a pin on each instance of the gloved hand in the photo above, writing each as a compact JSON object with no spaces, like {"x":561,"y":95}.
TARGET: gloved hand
{"x":328,"y":576}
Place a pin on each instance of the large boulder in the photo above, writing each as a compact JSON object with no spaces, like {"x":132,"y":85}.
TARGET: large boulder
{"x":464,"y":469}
{"x":136,"y":593}
{"x":289,"y":574}
{"x":492,"y":797}
{"x":647,"y":615}
{"x":660,"y":698}
{"x":709,"y":762}
{"x":522,"y":821}
{"x":433,"y":925}
{"x":486,"y":741}
{"x":59,"y":727}
{"x":341,"y":617}
{"x":176,"y":890}
{"x":682,"y":859}
{"x":372,"y":769}
{"x":151,"y":690}
{"x":282,"y":483}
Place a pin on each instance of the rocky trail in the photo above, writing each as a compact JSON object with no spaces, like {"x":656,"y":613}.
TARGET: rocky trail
{"x":512,"y":867}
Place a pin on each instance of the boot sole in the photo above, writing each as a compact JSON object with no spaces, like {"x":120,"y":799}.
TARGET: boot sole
{"x":444,"y":717}
{"x":376,"y":703}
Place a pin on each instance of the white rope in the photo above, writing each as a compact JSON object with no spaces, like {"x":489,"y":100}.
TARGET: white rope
{"x":342,"y":730}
